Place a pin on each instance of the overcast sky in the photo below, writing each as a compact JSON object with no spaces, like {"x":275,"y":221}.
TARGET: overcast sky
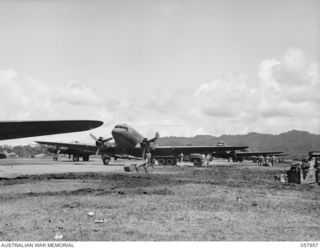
{"x":178,"y":67}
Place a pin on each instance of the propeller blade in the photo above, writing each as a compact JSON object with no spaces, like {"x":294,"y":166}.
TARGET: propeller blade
{"x":154,"y":140}
{"x":152,"y":145}
{"x":94,"y":137}
{"x":98,"y":150}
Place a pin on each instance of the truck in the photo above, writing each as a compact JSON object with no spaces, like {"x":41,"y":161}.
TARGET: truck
{"x":195,"y":158}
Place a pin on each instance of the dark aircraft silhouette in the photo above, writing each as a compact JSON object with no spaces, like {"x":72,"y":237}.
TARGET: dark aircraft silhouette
{"x":4,"y":154}
{"x":131,"y":144}
{"x":239,"y":156}
{"x":22,"y":129}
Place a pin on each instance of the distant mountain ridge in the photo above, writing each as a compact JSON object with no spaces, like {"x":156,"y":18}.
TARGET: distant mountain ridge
{"x":295,"y":143}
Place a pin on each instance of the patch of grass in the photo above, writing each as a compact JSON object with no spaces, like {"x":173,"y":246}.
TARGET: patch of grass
{"x":210,"y":203}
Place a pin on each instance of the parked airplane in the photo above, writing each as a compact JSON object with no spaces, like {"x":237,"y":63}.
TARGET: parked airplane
{"x":70,"y":149}
{"x":239,"y":156}
{"x":4,"y":154}
{"x":131,"y":144}
{"x":22,"y":129}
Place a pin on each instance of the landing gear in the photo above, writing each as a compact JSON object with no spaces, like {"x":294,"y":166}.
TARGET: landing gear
{"x":55,"y":156}
{"x":106,"y":160}
{"x":75,"y":157}
{"x":85,"y":158}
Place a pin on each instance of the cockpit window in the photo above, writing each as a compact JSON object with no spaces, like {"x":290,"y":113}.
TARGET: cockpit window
{"x":121,"y":127}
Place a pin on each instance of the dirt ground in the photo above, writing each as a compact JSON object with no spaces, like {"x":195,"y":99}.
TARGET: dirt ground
{"x":86,"y":201}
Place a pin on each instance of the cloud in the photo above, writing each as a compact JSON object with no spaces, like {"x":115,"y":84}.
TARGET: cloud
{"x":228,"y":96}
{"x":23,"y":97}
{"x":291,"y":82}
{"x":77,"y":93}
{"x":285,"y":95}
{"x":13,"y":97}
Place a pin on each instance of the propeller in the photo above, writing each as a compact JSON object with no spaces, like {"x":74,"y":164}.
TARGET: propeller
{"x":100,"y":143}
{"x":148,"y":144}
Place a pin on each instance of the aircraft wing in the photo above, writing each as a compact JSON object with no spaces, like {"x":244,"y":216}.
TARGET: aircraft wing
{"x":195,"y":149}
{"x":71,"y":146}
{"x":262,"y":153}
{"x":22,"y":129}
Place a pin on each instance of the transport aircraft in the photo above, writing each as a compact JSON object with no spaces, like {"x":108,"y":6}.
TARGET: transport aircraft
{"x":131,"y":144}
{"x":23,"y":129}
{"x":4,"y":154}
{"x":239,"y":156}
{"x":249,"y":155}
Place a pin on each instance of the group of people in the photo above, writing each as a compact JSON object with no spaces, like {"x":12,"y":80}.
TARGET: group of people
{"x":265,"y":161}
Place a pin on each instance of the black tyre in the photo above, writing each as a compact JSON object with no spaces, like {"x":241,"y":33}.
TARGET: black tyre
{"x":106,"y":160}
{"x":161,"y":161}
{"x":169,"y":161}
{"x":197,"y":162}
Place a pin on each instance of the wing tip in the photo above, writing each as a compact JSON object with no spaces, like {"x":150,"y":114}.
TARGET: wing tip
{"x":96,"y":123}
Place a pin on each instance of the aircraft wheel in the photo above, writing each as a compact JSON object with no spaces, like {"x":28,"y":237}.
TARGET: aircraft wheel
{"x":106,"y":160}
{"x":55,"y":159}
{"x":161,"y":161}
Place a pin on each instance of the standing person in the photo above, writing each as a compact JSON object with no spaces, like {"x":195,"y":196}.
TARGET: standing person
{"x":148,"y":158}
{"x":204,"y":159}
{"x":148,"y":165}
{"x":260,"y":159}
{"x":208,"y":158}
{"x":273,"y":159}
{"x":181,"y":157}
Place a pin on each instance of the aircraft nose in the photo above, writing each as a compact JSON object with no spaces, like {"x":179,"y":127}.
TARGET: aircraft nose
{"x":117,"y":132}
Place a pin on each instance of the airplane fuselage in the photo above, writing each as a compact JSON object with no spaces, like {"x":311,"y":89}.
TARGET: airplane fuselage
{"x":126,"y":137}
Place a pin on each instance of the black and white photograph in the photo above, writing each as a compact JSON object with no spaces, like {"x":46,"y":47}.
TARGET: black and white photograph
{"x":159,"y":121}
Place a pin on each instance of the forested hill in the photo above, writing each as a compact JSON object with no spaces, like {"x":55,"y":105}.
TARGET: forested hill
{"x":295,"y":143}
